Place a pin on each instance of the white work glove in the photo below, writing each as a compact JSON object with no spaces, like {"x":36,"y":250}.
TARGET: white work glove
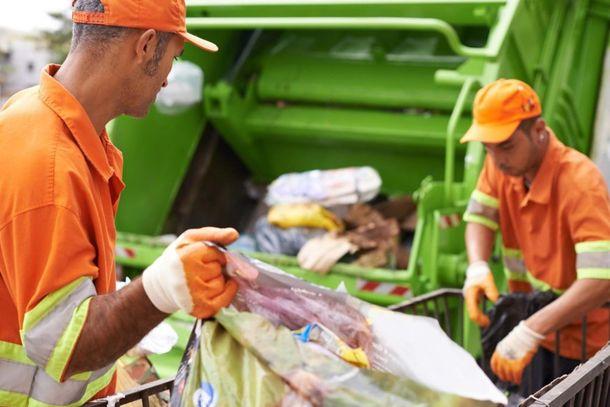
{"x":479,"y":282}
{"x":515,"y":352}
{"x":188,"y":275}
{"x":321,"y":253}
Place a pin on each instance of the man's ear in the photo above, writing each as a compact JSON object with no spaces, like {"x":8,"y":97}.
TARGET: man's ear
{"x":145,"y":46}
{"x":539,"y":130}
{"x":539,"y":126}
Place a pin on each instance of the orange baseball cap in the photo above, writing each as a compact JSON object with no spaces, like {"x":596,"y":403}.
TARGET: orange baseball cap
{"x":162,"y":15}
{"x":499,"y":108}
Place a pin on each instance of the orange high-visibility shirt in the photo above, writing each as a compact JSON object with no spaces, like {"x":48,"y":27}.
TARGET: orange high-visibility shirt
{"x":60,"y":183}
{"x":556,"y":232}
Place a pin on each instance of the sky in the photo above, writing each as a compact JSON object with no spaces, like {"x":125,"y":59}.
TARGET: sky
{"x":30,"y":15}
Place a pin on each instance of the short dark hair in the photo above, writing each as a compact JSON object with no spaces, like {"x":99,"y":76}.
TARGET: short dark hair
{"x":101,"y":36}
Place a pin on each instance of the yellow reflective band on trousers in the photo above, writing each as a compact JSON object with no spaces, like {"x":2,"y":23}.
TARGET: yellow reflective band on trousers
{"x":22,"y":383}
{"x":482,"y":209}
{"x":515,"y":270}
{"x":593,"y":259}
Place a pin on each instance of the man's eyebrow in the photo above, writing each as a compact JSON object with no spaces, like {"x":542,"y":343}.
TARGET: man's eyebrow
{"x":504,"y":143}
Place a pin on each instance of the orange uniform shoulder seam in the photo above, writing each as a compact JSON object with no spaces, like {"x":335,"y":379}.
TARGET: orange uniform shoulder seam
{"x":35,"y":208}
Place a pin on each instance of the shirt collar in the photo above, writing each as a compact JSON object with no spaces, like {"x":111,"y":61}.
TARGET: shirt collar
{"x":540,"y":190}
{"x":72,"y":113}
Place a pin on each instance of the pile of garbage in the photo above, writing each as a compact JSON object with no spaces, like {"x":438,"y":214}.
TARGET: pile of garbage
{"x":323,"y":217}
{"x":286,"y":342}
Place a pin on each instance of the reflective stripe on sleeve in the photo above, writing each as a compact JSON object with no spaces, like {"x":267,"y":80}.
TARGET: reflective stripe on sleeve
{"x":63,"y":349}
{"x":485,"y":199}
{"x":513,"y":261}
{"x":471,"y":218}
{"x":515,"y":270}
{"x":52,"y":328}
{"x":477,"y":208}
{"x":482,"y":209}
{"x":514,"y":266}
{"x":599,"y":274}
{"x":593,"y":259}
{"x":595,"y":246}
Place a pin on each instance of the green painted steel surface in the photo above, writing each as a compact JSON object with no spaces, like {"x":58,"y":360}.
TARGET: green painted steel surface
{"x":348,"y":23}
{"x":403,"y":148}
{"x":157,"y":152}
{"x":382,"y":83}
{"x":454,"y":12}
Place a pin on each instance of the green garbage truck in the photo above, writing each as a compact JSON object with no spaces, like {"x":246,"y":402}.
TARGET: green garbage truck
{"x":319,"y":84}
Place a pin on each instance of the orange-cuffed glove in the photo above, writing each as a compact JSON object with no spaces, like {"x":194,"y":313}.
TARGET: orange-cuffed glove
{"x":479,"y":282}
{"x":188,"y":275}
{"x":515,"y":352}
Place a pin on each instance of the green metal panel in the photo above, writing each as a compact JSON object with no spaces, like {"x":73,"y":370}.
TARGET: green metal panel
{"x":157,"y":152}
{"x":403,"y":148}
{"x":384,"y":83}
{"x":455,"y":12}
{"x":305,"y":78}
{"x":585,"y":78}
{"x":494,"y":43}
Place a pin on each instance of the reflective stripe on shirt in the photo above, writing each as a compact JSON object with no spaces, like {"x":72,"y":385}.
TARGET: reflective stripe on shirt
{"x":24,"y":384}
{"x":51,"y":329}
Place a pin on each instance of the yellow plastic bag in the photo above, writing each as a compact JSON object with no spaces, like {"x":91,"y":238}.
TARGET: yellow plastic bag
{"x":304,"y":215}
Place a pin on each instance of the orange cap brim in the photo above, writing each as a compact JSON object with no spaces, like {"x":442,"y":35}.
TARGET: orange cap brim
{"x":490,"y":132}
{"x":199,"y":42}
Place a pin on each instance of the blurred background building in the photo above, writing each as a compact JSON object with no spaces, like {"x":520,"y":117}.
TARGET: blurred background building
{"x":33,"y":34}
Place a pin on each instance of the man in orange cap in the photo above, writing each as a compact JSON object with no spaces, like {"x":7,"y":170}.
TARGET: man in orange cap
{"x":551,"y":206}
{"x":62,"y":324}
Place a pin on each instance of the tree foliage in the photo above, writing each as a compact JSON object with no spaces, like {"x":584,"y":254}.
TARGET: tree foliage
{"x":58,"y":40}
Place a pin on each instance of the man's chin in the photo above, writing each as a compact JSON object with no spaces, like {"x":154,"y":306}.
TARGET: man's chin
{"x":139,"y":113}
{"x":511,"y":172}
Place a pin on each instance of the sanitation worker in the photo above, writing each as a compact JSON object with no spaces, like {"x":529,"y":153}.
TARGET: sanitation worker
{"x":62,"y":324}
{"x":550,"y":204}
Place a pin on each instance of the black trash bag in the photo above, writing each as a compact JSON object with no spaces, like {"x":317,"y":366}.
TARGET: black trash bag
{"x":506,"y":314}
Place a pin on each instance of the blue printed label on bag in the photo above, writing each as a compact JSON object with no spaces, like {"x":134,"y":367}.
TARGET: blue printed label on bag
{"x":205,"y":396}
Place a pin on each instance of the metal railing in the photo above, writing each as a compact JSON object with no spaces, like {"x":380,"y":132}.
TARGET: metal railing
{"x":587,"y":385}
{"x":495,"y":41}
{"x":141,"y":393}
